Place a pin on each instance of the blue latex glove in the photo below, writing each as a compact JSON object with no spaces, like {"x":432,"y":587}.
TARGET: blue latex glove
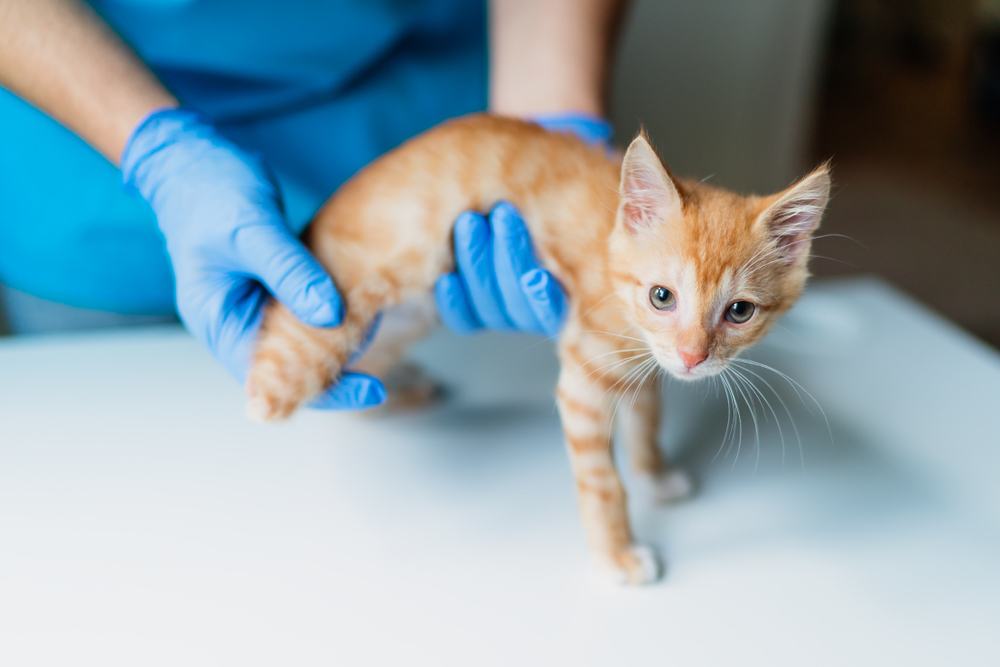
{"x":221,"y":214}
{"x":591,"y":129}
{"x":498,"y":283}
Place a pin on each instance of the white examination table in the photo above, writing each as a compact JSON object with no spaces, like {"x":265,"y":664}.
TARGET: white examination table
{"x":145,"y":522}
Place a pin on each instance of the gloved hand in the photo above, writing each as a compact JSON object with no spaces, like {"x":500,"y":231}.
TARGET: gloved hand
{"x":221,"y":214}
{"x":498,"y":283}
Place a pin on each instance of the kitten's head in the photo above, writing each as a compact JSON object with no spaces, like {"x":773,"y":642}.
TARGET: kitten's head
{"x":704,"y":272}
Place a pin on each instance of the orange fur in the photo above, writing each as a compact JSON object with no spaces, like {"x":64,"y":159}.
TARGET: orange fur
{"x":609,"y":231}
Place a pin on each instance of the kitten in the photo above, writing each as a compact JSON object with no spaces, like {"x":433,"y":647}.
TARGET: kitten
{"x":660,"y":272}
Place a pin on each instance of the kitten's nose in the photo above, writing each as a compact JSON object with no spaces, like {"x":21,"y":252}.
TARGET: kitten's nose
{"x":692,"y":358}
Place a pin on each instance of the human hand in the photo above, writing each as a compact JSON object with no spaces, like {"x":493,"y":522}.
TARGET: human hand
{"x":221,"y":214}
{"x":498,"y":283}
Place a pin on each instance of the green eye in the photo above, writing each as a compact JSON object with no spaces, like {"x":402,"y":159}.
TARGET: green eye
{"x":740,"y":312}
{"x":662,"y":298}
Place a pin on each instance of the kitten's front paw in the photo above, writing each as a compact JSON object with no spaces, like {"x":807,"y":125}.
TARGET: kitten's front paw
{"x":667,"y":487}
{"x":267,"y":400}
{"x":639,"y":564}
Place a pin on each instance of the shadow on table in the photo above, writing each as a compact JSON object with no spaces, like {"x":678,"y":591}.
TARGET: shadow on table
{"x":842,"y":486}
{"x":827,"y":482}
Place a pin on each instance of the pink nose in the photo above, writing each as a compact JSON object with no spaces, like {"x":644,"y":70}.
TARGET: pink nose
{"x":692,"y":359}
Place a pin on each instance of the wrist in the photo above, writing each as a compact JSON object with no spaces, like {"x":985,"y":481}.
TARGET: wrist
{"x":155,"y":132}
{"x":131,"y":110}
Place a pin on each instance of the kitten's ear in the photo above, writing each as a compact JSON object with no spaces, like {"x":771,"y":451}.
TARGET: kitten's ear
{"x":648,"y":194}
{"x":795,"y":213}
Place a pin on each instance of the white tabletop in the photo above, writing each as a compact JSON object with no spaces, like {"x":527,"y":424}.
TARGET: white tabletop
{"x":144,"y":521}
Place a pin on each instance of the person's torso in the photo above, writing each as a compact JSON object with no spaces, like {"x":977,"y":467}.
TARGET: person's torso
{"x":239,"y":59}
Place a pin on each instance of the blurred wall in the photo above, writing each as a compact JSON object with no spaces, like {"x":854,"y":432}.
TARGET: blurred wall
{"x":725,"y":88}
{"x":910,"y":110}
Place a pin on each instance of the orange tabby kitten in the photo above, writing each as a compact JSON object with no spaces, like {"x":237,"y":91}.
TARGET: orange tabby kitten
{"x":659,"y":271}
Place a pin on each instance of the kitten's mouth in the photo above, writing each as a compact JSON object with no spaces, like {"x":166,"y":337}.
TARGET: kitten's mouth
{"x":706,"y":369}
{"x":699,"y":373}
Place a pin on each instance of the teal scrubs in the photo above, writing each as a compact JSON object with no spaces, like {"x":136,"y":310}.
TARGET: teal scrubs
{"x":318,"y":87}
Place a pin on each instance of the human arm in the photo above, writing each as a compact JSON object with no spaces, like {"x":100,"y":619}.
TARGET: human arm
{"x":551,"y":57}
{"x":217,"y":206}
{"x":60,"y":56}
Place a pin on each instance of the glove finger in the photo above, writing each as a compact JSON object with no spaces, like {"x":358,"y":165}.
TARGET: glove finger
{"x":474,"y":260}
{"x":547,"y":299}
{"x":512,"y":258}
{"x":290,"y":273}
{"x":453,"y":304}
{"x":353,"y":391}
{"x":224,"y":314}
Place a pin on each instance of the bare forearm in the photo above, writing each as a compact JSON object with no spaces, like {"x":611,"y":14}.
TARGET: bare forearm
{"x":61,"y":57}
{"x":551,"y":56}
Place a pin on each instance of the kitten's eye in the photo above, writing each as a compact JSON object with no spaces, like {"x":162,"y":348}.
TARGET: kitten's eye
{"x":740,"y":311}
{"x":662,"y":298}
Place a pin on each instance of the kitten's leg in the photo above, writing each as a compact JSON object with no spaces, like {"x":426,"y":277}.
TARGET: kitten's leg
{"x":408,"y":385}
{"x":639,"y":426}
{"x":293,"y":362}
{"x":585,"y":407}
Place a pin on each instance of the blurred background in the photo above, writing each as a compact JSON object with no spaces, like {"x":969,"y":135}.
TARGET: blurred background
{"x":903,"y":95}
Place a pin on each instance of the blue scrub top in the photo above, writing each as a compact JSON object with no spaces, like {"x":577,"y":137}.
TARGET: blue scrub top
{"x":319,"y":87}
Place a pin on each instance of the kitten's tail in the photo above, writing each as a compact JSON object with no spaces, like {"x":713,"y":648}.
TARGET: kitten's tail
{"x":294,"y":362}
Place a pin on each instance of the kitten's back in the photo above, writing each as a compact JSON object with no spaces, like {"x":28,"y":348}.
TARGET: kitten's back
{"x":404,"y":205}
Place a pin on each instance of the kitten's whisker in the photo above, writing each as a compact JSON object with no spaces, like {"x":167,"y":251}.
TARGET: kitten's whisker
{"x":738,"y":383}
{"x":617,"y":335}
{"x":597,"y":305}
{"x":791,"y":419}
{"x":739,"y":420}
{"x":617,"y":351}
{"x":730,"y":433}
{"x":633,"y":375}
{"x":841,"y":236}
{"x":763,"y":251}
{"x":729,"y":415}
{"x":751,"y":403}
{"x":612,"y":365}
{"x":626,"y":381}
{"x":748,"y":399}
{"x":637,"y":374}
{"x":767,"y":404}
{"x":737,"y":438}
{"x":642,"y":383}
{"x":796,"y":386}
{"x":766,"y":263}
{"x":834,"y":259}
{"x":757,"y":261}
{"x":786,"y":378}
